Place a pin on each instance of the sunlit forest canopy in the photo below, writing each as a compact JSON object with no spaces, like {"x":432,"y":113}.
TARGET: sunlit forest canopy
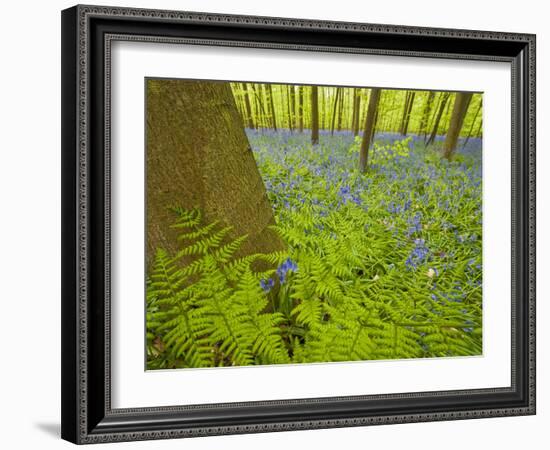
{"x":287,"y":106}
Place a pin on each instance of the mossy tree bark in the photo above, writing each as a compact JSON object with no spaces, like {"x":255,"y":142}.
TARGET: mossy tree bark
{"x":460,"y":108}
{"x":198,"y":155}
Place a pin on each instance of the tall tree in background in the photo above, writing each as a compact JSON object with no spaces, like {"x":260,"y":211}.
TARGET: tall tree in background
{"x":460,"y":108}
{"x":469,"y":135}
{"x":301,"y":108}
{"x":272,"y":107}
{"x":261,"y":116}
{"x":334,"y":109}
{"x":405,"y":109}
{"x":293,"y":105}
{"x":314,"y":115}
{"x":426,"y":114}
{"x":288,"y":112}
{"x":368,"y":130}
{"x":340,"y":110}
{"x":198,"y":155}
{"x":248,"y":107}
{"x":444,"y":98}
{"x":407,"y":112}
{"x":356,"y":107}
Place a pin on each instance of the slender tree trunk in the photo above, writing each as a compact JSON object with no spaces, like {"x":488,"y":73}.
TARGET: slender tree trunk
{"x":444,"y":100}
{"x":354,"y":114}
{"x":357,"y":114}
{"x":472,"y":125}
{"x":478,"y":132}
{"x":301,"y":109}
{"x":447,"y":115}
{"x":340,"y":111}
{"x":408,"y":116}
{"x":394,"y":109}
{"x":293,"y":105}
{"x":404,"y":114}
{"x":249,"y":120}
{"x":426,"y":114}
{"x":260,"y":111}
{"x":265,"y":106}
{"x":272,"y":107}
{"x":288,"y":108}
{"x":433,"y":114}
{"x":314,"y":115}
{"x":334,"y":108}
{"x":460,"y":108}
{"x":322,"y":116}
{"x":198,"y":155}
{"x":368,"y":130}
{"x":373,"y":132}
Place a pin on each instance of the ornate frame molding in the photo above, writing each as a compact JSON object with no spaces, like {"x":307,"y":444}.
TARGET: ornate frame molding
{"x":80,"y":419}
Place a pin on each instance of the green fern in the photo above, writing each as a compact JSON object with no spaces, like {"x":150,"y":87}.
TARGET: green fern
{"x":206,"y":307}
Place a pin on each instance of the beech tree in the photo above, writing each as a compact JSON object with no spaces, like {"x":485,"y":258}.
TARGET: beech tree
{"x":409,"y":100}
{"x":460,"y":108}
{"x":314,"y":115}
{"x":250,"y":120}
{"x":426,"y":113}
{"x":198,"y":155}
{"x":301,"y":109}
{"x":368,"y":130}
{"x":444,"y":98}
{"x":272,"y":107}
{"x":356,"y":111}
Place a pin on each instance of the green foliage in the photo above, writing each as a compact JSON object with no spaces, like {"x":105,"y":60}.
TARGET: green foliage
{"x":205,"y":307}
{"x":352,"y":286}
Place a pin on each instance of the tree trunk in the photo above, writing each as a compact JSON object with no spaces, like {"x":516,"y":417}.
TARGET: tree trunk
{"x":334,"y":108}
{"x":340,"y":111}
{"x":289,"y":112}
{"x":374,"y":98}
{"x":293,"y":105}
{"x":272,"y":107}
{"x":301,"y":108}
{"x":469,"y":135}
{"x":408,"y":115}
{"x":314,"y":116}
{"x":426,"y":114}
{"x":404,"y":114}
{"x":249,"y":118}
{"x":357,"y":115}
{"x":198,"y":155}
{"x":444,"y":100}
{"x":260,"y":112}
{"x":460,"y":108}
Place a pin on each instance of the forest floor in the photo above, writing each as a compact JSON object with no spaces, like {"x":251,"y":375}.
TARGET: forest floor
{"x":412,"y":224}
{"x":381,"y":265}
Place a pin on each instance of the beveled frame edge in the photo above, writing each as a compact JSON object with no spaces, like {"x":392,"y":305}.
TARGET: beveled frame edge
{"x":77,"y":216}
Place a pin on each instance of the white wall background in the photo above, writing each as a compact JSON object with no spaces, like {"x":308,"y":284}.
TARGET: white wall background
{"x":30,"y":223}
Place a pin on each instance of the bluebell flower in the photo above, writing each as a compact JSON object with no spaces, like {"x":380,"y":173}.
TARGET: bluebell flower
{"x":267,"y":285}
{"x":287,"y":266}
{"x":419,"y":254}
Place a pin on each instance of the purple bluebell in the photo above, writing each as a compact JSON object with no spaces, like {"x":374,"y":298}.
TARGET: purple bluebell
{"x":267,"y":285}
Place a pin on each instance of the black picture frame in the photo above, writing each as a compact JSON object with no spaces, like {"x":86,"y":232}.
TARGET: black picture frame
{"x":87,"y":416}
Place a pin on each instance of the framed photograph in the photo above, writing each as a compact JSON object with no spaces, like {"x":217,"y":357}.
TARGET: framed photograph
{"x":281,"y":224}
